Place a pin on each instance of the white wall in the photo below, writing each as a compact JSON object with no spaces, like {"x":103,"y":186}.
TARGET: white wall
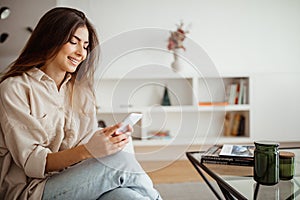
{"x":275,"y":106}
{"x":259,"y":37}
{"x":239,"y":35}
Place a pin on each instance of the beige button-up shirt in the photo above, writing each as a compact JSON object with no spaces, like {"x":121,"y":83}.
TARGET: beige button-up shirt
{"x":37,"y":119}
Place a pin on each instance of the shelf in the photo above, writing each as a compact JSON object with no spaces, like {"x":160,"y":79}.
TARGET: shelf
{"x":195,"y":141}
{"x":148,"y":109}
{"x":227,"y":108}
{"x":142,"y":90}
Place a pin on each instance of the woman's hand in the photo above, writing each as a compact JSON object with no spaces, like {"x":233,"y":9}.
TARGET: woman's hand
{"x":107,"y":141}
{"x":103,"y":143}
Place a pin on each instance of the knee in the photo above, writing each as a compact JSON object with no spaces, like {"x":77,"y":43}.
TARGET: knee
{"x":123,"y":193}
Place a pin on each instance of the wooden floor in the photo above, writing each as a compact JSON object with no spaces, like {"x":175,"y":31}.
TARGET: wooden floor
{"x":171,"y":172}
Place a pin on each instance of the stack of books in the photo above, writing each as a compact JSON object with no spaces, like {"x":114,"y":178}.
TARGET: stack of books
{"x":227,"y":154}
{"x":234,"y":124}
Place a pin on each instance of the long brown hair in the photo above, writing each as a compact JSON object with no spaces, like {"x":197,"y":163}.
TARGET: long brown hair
{"x":55,"y":29}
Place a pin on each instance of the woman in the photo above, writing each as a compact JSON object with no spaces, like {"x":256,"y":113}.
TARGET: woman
{"x":50,"y":146}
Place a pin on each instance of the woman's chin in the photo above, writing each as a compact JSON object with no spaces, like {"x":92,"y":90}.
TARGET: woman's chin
{"x":72,"y":69}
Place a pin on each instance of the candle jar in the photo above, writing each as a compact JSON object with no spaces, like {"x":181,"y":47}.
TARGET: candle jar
{"x":266,"y":163}
{"x":286,"y":165}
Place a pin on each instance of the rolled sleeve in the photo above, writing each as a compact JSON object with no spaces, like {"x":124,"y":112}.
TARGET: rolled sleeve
{"x":36,"y":162}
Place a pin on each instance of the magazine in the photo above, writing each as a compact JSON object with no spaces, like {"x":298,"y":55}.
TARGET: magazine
{"x":212,"y":156}
{"x":237,"y":150}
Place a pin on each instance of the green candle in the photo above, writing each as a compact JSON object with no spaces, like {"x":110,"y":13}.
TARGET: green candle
{"x":266,"y":163}
{"x":286,"y":165}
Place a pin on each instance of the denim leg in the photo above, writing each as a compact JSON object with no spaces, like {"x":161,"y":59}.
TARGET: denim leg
{"x":122,"y":193}
{"x":94,"y":177}
{"x":86,"y":180}
{"x":131,"y":174}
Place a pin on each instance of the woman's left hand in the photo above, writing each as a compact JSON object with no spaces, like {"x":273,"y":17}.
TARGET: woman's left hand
{"x":107,"y":141}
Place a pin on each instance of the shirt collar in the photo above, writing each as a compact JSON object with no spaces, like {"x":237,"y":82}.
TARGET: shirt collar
{"x":38,"y":74}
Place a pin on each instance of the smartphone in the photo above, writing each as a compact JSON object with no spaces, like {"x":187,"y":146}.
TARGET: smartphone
{"x":131,"y":120}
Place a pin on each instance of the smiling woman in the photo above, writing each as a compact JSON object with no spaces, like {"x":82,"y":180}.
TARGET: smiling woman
{"x":69,"y":57}
{"x":50,"y":146}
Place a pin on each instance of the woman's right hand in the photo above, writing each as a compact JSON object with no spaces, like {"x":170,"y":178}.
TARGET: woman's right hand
{"x":105,"y":142}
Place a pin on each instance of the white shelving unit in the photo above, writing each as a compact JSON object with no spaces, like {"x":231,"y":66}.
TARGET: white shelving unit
{"x":142,"y":91}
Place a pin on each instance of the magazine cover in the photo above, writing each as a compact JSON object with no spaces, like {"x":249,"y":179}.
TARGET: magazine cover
{"x":237,"y":150}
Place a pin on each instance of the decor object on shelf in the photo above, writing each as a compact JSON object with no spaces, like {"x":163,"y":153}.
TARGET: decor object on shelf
{"x":177,"y":64}
{"x":177,"y":37}
{"x":160,"y":135}
{"x":4,"y":12}
{"x":29,"y":29}
{"x":175,"y":44}
{"x":3,"y":37}
{"x":166,"y":99}
{"x":101,"y":124}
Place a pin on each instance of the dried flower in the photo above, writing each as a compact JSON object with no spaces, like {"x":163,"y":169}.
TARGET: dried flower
{"x":177,"y":37}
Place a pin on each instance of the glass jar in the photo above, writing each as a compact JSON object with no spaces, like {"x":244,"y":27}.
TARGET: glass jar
{"x":266,"y":163}
{"x":286,"y":165}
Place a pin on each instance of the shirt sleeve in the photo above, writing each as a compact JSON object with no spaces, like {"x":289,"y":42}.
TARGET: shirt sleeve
{"x":24,"y":136}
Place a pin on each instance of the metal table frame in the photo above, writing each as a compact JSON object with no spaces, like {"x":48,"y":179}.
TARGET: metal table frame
{"x":228,"y":191}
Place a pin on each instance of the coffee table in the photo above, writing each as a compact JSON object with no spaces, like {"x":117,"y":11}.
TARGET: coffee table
{"x":236,"y":182}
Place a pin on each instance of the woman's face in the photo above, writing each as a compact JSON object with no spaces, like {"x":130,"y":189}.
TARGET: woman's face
{"x":72,"y":53}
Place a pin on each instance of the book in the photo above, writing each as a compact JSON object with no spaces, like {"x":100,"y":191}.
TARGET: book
{"x":233,"y":93}
{"x":236,"y":92}
{"x":213,"y":103}
{"x":241,"y":91}
{"x":244,"y":94}
{"x":228,"y":124}
{"x":212,"y":156}
{"x":242,"y":126}
{"x":235,"y":125}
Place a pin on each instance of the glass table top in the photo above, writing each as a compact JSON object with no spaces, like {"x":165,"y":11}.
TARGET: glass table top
{"x":240,"y":179}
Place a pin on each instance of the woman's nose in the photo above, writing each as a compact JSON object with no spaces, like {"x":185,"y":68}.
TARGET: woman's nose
{"x":81,"y":51}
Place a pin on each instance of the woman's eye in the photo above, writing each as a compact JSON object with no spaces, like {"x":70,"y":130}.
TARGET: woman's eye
{"x":75,"y":43}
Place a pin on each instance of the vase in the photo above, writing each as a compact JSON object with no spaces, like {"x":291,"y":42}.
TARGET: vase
{"x":166,"y":98}
{"x":177,"y":64}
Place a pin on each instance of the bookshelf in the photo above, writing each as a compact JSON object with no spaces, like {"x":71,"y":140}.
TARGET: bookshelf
{"x":185,"y":121}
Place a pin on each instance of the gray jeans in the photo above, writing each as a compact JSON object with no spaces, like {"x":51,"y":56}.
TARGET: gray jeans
{"x":118,"y":176}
